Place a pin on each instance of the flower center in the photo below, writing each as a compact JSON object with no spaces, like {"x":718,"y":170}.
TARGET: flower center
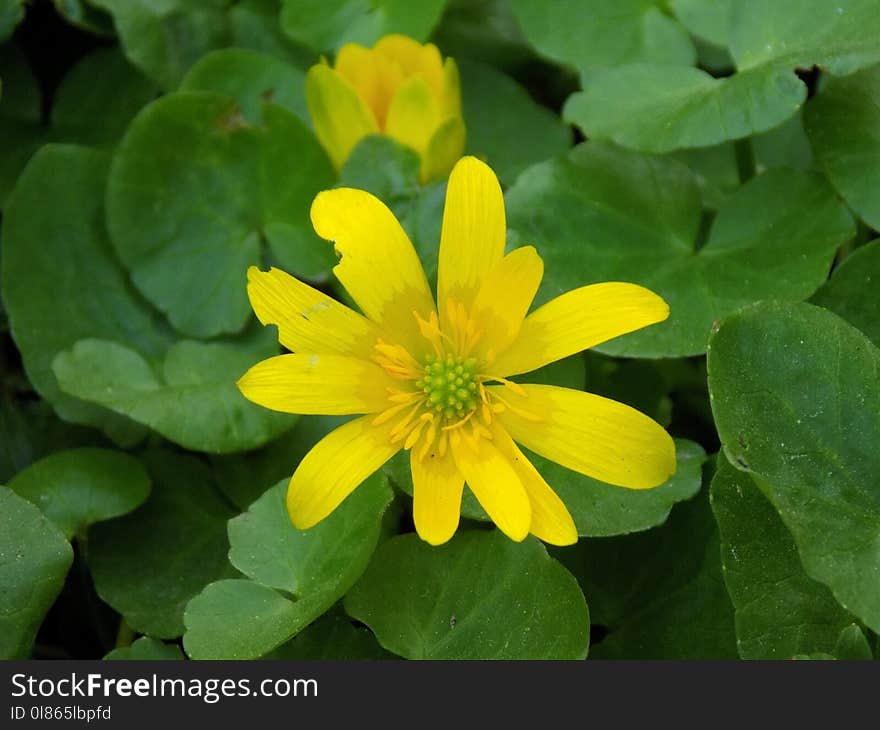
{"x":442,"y":399}
{"x":450,"y":386}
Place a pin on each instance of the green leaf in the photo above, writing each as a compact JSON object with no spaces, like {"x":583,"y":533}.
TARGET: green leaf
{"x":266,"y":547}
{"x":780,"y":611}
{"x":326,"y":25}
{"x":655,"y":108}
{"x":843,"y":122}
{"x":252,"y":79}
{"x":317,"y":566}
{"x":193,"y":190}
{"x":255,"y":25}
{"x":184,"y":390}
{"x":662,"y":108}
{"x":146,"y":648}
{"x":34,"y":558}
{"x":385,"y":168}
{"x":79,"y":487}
{"x":784,"y":146}
{"x":92,"y":106}
{"x":331,"y":637}
{"x":245,"y":477}
{"x":11,"y":14}
{"x":190,"y":399}
{"x":795,"y":398}
{"x":147,"y":565}
{"x":83,"y":15}
{"x":389,"y":171}
{"x":596,"y":33}
{"x":98,"y":98}
{"x":839,"y":36}
{"x":482,"y":30}
{"x":62,"y":250}
{"x":659,"y":593}
{"x":643,"y":384}
{"x":717,"y":168}
{"x":709,"y":20}
{"x":852,"y":644}
{"x":605,"y":214}
{"x":505,"y":127}
{"x":480,"y":596}
{"x":851,"y":292}
{"x":164,"y":39}
{"x":601,"y":510}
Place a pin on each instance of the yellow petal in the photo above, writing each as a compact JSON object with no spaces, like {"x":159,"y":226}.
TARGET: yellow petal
{"x":451,"y":97}
{"x":307,"y":319}
{"x":432,"y":69}
{"x":379,"y":266}
{"x":473,"y":233}
{"x":580,"y":319}
{"x":592,"y":435}
{"x":505,"y":297}
{"x":413,"y":115}
{"x":551,"y":521}
{"x":400,"y":48}
{"x":414,"y":58}
{"x":444,"y":150}
{"x":437,"y":488}
{"x":374,"y":77}
{"x":496,"y":486}
{"x":335,"y":466}
{"x":340,"y":117}
{"x":333,"y":385}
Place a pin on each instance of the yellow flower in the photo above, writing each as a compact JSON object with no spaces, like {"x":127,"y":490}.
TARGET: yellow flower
{"x":399,"y":88}
{"x":434,"y":380}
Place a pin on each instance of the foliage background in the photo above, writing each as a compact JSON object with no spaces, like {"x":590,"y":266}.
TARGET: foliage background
{"x":725,"y":154}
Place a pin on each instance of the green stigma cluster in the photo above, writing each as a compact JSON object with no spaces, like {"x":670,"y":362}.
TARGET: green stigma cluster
{"x":450,"y":385}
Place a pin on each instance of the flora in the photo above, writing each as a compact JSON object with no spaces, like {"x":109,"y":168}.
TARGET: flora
{"x":399,"y":88}
{"x":443,"y":329}
{"x":436,"y":384}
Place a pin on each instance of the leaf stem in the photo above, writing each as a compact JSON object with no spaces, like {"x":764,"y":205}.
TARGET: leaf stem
{"x":745,"y":159}
{"x":124,"y":635}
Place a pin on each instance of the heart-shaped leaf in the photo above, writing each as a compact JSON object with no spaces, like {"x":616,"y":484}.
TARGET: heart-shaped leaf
{"x":34,"y":558}
{"x":844,"y":127}
{"x":79,"y":487}
{"x":191,"y":399}
{"x":148,"y":564}
{"x":780,"y":611}
{"x":480,"y":596}
{"x":505,"y":126}
{"x":794,"y":393}
{"x":184,"y":390}
{"x":658,"y":108}
{"x":195,"y":189}
{"x":605,"y":214}
{"x":326,"y":25}
{"x":598,"y":33}
{"x":851,"y":292}
{"x":316,"y":567}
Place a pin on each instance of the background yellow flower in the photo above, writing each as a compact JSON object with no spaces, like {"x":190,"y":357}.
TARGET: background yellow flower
{"x":399,"y":88}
